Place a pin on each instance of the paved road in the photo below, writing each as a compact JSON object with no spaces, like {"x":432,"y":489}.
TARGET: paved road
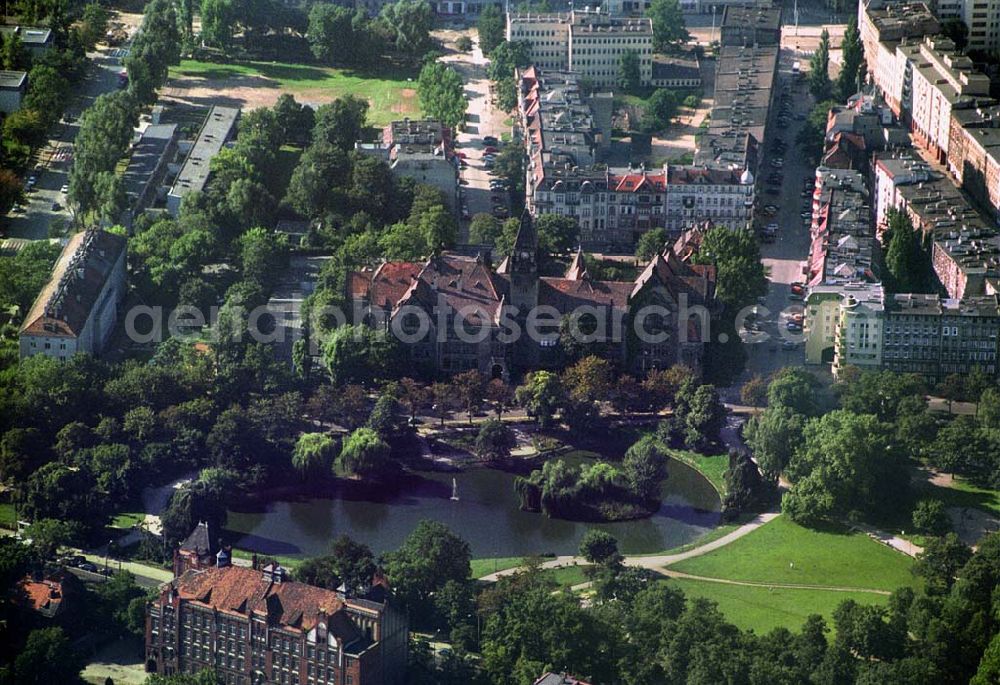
{"x":482,"y":119}
{"x":55,"y":157}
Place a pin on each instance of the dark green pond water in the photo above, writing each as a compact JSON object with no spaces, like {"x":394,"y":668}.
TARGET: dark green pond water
{"x":486,"y":515}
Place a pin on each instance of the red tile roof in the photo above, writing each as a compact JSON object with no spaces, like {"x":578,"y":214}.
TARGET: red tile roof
{"x":42,"y":596}
{"x":391,"y":281}
{"x":244,"y":590}
{"x":634,"y":183}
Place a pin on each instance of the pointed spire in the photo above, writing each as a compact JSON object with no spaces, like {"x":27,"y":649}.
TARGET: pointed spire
{"x":577,"y":270}
{"x":527,"y":237}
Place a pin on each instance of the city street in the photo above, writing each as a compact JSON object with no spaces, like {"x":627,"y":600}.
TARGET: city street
{"x":482,"y":119}
{"x":784,"y":258}
{"x":33,"y":221}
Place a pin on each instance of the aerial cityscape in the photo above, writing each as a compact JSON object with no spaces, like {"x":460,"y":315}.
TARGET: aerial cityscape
{"x":466,"y":342}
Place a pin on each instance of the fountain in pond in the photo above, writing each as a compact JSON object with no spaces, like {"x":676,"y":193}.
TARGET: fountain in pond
{"x":454,"y":490}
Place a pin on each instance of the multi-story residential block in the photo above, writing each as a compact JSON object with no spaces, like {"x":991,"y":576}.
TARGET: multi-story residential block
{"x":823,"y":315}
{"x":559,"y":124}
{"x":421,"y":150}
{"x":974,"y":155}
{"x":893,"y":171}
{"x":455,"y":313}
{"x":588,"y":42}
{"x":13,"y":86}
{"x":967,"y":262}
{"x":77,"y":309}
{"x":935,"y":337}
{"x":695,"y":194}
{"x":942,"y":80}
{"x":858,"y":338}
{"x":883,"y":25}
{"x":981,"y":18}
{"x":219,"y":126}
{"x":750,"y":25}
{"x":258,"y":627}
{"x":147,"y":169}
{"x":843,"y":249}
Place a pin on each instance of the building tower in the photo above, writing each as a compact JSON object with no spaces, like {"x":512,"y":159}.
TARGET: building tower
{"x":524,"y":267}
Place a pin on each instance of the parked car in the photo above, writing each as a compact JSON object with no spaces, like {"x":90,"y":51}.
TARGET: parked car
{"x":788,"y":345}
{"x":65,"y":189}
{"x":56,"y":206}
{"x":87,"y":566}
{"x":490,"y":149}
{"x":794,"y":327}
{"x":490,"y":140}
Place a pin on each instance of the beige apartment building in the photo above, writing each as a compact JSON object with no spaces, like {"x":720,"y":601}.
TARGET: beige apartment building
{"x":588,"y":42}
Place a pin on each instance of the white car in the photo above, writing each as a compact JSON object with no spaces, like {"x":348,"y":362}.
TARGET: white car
{"x":65,"y":189}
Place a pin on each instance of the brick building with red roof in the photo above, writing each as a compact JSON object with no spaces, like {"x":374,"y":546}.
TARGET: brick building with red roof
{"x":256,"y":626}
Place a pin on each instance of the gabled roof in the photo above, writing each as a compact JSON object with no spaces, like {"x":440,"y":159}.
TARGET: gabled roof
{"x":242,"y":590}
{"x":65,"y":302}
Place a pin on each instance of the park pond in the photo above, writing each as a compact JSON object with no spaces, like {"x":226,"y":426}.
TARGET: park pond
{"x":486,"y":514}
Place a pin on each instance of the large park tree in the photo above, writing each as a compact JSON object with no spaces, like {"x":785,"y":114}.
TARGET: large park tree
{"x":442,"y":94}
{"x":847,"y":463}
{"x":668,"y":25}
{"x":736,"y":256}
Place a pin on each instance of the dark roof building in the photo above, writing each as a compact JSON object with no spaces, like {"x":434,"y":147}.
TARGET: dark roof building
{"x":414,"y":299}
{"x":559,"y":679}
{"x":77,"y":309}
{"x":746,"y":25}
{"x":147,"y":168}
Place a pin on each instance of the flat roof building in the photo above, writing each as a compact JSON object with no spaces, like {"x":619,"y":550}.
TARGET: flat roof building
{"x":750,"y":25}
{"x":147,"y":168}
{"x":218,"y":127}
{"x":35,"y":39}
{"x":13,"y":86}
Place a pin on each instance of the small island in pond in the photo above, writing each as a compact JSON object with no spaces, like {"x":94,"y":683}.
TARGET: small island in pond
{"x":598,"y":491}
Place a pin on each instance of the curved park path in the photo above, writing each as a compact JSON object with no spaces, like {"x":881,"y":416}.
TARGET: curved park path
{"x":656,"y":561}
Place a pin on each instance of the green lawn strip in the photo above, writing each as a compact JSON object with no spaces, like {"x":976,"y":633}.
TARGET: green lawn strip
{"x":712,"y":467}
{"x":384,"y":91}
{"x":126,"y":520}
{"x":8,"y":518}
{"x":567,"y":576}
{"x":288,"y":562}
{"x":484,"y":567}
{"x":964,"y":494}
{"x":784,"y":552}
{"x":762,"y":609}
{"x":133,"y":567}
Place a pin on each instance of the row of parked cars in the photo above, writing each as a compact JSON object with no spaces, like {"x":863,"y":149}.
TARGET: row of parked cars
{"x":80,"y":562}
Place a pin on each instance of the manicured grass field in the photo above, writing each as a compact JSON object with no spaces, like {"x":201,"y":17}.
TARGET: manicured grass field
{"x":784,"y":552}
{"x":567,"y":576}
{"x":390,"y":94}
{"x":484,"y":567}
{"x":763,"y":609}
{"x":712,"y":467}
{"x":287,"y":562}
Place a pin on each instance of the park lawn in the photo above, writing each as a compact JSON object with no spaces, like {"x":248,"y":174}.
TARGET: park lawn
{"x":762,"y":609}
{"x":713,"y":467}
{"x":286,"y":561}
{"x":8,"y":519}
{"x":964,"y":494}
{"x":784,"y":552}
{"x":126,"y":520}
{"x":484,"y":567}
{"x":567,"y":576}
{"x":390,"y":94}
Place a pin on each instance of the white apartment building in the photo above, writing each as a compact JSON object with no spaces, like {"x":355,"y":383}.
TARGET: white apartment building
{"x":695,"y":194}
{"x":982,"y":17}
{"x":824,"y":312}
{"x":588,"y":42}
{"x":77,"y":309}
{"x":858,"y":337}
{"x":942,"y":80}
